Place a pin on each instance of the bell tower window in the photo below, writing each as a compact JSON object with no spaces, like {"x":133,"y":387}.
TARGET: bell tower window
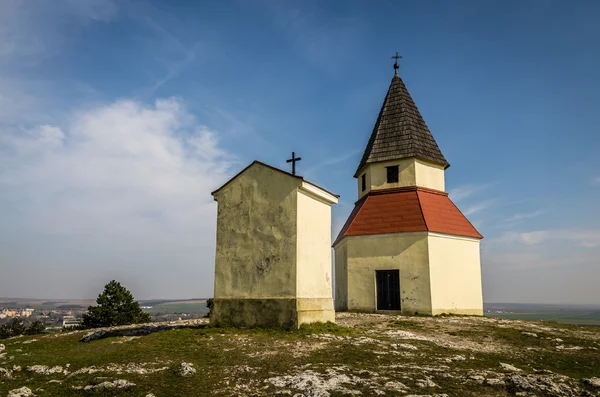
{"x":363,"y":182}
{"x":392,"y":174}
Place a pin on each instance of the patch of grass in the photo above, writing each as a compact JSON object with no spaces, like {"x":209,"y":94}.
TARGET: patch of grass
{"x":232,"y":361}
{"x":325,"y":328}
{"x":406,"y":324}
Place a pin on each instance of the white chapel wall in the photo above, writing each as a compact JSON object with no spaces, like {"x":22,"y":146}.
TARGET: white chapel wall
{"x":455,"y":275}
{"x":314,"y":277}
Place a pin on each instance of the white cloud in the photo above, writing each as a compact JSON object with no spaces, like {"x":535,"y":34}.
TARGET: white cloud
{"x":125,"y":176}
{"x":113,"y":162}
{"x":596,"y":180}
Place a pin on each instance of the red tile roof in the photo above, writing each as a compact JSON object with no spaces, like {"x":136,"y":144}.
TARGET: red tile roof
{"x":409,"y":209}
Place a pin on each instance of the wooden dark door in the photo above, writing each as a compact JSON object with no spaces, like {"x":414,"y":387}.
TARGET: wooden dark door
{"x":388,"y":289}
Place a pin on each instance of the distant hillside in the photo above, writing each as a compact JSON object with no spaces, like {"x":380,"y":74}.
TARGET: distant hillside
{"x":566,"y":314}
{"x":367,"y":354}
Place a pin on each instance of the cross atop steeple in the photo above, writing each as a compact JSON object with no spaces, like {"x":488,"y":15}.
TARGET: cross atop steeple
{"x":293,"y":161}
{"x":396,"y":66}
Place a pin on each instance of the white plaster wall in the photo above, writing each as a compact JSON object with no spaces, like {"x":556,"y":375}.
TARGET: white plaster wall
{"x":256,"y":235}
{"x":429,"y":175}
{"x":404,"y":251}
{"x":411,"y":172}
{"x":455,"y":273}
{"x":377,"y":175}
{"x":314,"y":279}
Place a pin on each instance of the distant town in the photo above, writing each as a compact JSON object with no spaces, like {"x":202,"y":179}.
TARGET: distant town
{"x":59,"y":315}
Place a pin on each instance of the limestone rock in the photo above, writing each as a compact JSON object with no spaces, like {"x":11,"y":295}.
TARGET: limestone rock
{"x":427,"y":395}
{"x":426,"y":383}
{"x":552,"y":385}
{"x":22,"y":392}
{"x":477,"y":378}
{"x":495,"y":382}
{"x":140,"y":329}
{"x":117,"y":384}
{"x":398,"y":386}
{"x":509,"y":367}
{"x":595,"y":382}
{"x":186,"y":369}
{"x":404,"y":346}
{"x":44,"y":369}
{"x":94,"y":335}
{"x":5,"y":373}
{"x":532,"y":334}
{"x":316,"y":384}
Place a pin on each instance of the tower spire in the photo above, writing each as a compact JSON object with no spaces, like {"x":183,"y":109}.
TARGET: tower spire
{"x":396,"y":66}
{"x":400,"y":131}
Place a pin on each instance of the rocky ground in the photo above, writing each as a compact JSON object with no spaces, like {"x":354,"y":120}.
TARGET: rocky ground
{"x":364,"y":354}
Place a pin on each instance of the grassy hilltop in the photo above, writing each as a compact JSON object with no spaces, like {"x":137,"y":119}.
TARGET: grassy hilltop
{"x":365,"y":353}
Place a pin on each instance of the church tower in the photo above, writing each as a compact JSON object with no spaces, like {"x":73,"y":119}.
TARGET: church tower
{"x":406,"y":247}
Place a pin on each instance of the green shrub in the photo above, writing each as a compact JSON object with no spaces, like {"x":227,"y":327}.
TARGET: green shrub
{"x":116,"y":306}
{"x":35,"y":328}
{"x":14,"y":327}
{"x":209,"y":304}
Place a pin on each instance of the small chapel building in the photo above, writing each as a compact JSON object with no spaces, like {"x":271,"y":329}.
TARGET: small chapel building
{"x":273,"y":251}
{"x":406,"y":247}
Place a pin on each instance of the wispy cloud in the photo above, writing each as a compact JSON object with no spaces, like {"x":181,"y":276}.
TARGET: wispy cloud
{"x":28,"y":31}
{"x":579,"y":238}
{"x":473,"y":208}
{"x":596,"y":180}
{"x":173,"y":66}
{"x":324,"y":40}
{"x":526,"y":215}
{"x":331,"y":161}
{"x":463,"y":192}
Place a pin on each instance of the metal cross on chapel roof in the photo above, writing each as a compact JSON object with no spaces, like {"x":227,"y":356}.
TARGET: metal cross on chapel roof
{"x":396,"y":66}
{"x":293,"y":161}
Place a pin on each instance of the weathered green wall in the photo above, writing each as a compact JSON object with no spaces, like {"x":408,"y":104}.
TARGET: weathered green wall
{"x":256,"y":236}
{"x":273,"y":258}
{"x":270,"y":313}
{"x":341,"y":277}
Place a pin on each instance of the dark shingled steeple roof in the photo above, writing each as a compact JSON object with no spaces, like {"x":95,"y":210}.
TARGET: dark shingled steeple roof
{"x":400,"y":131}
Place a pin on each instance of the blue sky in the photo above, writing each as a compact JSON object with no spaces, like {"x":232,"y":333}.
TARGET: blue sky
{"x":118,"y":118}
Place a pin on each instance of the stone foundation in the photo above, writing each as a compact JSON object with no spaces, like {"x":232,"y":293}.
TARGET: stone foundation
{"x":466,"y":312}
{"x":285,"y":313}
